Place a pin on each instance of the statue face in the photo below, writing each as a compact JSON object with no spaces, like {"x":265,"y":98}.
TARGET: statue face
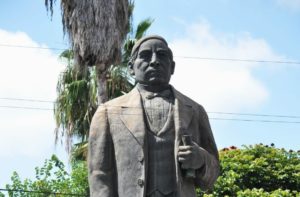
{"x":153,"y":65}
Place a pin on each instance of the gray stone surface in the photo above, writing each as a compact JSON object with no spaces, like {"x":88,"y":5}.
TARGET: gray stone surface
{"x":135,"y":144}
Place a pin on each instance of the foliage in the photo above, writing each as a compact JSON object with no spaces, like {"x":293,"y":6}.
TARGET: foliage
{"x":52,"y":178}
{"x":257,"y":171}
{"x":76,"y":102}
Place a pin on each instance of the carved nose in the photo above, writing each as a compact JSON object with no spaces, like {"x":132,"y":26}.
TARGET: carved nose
{"x":154,"y":61}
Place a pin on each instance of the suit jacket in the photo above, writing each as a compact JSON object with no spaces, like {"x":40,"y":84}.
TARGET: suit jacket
{"x":118,"y":151}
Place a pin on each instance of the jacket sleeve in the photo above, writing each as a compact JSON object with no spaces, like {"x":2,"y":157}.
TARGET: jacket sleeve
{"x":209,"y":172}
{"x":101,"y":160}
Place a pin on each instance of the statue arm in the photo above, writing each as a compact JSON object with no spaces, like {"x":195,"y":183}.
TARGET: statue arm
{"x":209,"y":172}
{"x":101,"y":157}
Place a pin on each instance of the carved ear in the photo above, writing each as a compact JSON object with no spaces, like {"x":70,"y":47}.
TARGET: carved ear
{"x":173,"y":67}
{"x":130,"y":68}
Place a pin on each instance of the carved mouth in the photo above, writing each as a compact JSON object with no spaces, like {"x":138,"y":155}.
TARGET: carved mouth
{"x":154,"y":72}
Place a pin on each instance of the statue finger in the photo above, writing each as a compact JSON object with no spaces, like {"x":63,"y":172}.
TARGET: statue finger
{"x":182,"y":159}
{"x":185,"y":148}
{"x":184,"y":153}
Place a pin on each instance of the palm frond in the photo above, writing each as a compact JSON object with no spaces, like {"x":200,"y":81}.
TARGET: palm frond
{"x":75,"y":105}
{"x":142,"y":27}
{"x":67,"y":54}
{"x":49,"y":6}
{"x":118,"y":81}
{"x":79,"y":151}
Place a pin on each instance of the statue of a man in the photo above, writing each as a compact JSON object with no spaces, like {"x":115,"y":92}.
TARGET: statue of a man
{"x":153,"y":141}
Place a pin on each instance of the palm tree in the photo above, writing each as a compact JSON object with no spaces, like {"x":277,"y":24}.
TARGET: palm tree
{"x":96,"y":30}
{"x":77,"y":94}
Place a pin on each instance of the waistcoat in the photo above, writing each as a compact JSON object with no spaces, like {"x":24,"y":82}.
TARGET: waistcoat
{"x":161,"y":176}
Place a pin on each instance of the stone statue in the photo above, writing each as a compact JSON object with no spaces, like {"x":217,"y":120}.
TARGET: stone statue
{"x":153,"y":141}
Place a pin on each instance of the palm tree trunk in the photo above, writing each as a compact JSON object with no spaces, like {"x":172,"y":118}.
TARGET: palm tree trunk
{"x":102,"y":83}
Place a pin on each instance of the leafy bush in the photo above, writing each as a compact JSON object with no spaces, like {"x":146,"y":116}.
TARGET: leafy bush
{"x":51,"y":178}
{"x":257,"y":171}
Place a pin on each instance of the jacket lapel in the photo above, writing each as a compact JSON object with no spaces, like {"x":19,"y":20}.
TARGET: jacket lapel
{"x":132,"y":116}
{"x":183,"y":113}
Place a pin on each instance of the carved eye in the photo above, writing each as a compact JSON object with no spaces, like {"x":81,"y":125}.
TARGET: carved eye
{"x":162,"y":54}
{"x":146,"y":55}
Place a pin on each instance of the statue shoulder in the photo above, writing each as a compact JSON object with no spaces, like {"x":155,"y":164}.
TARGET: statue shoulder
{"x":116,"y":101}
{"x":187,"y":100}
{"x":123,"y":100}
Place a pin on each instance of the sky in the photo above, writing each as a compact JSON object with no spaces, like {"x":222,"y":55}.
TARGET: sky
{"x":206,"y":37}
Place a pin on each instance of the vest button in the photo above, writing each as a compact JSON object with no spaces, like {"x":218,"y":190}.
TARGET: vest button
{"x":141,"y":182}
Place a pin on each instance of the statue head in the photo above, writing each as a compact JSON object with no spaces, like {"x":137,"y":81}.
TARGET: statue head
{"x":152,"y":62}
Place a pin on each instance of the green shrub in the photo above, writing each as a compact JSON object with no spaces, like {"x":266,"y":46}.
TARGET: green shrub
{"x":275,"y":172}
{"x":51,"y":178}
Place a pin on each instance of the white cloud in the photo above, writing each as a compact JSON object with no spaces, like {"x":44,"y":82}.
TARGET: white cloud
{"x":26,"y":73}
{"x":27,"y":134}
{"x":220,"y":85}
{"x":292,"y":4}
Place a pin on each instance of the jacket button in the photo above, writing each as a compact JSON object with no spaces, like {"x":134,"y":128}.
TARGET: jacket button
{"x":141,"y":182}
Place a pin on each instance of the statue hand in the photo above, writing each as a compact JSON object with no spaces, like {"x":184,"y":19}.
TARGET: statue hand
{"x":191,"y":157}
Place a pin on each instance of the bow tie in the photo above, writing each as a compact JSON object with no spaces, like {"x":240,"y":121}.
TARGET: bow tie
{"x":164,"y":94}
